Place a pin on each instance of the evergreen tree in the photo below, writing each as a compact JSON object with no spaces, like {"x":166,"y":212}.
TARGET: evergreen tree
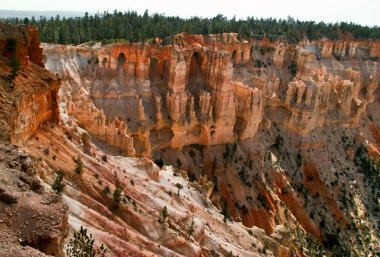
{"x":58,"y":185}
{"x":117,"y":194}
{"x":164,"y":214}
{"x":225,"y":212}
{"x":82,"y":245}
{"x":134,"y":27}
{"x":179,"y":187}
{"x":79,"y":165}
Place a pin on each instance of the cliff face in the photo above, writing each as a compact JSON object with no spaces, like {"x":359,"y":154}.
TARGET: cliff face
{"x":211,"y":90}
{"x":31,"y":98}
{"x":33,"y":222}
{"x":276,"y":127}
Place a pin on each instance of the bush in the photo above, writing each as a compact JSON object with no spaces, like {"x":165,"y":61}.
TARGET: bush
{"x":164,"y":214}
{"x":117,"y":194}
{"x":225,"y":212}
{"x":79,"y":165}
{"x":82,"y":245}
{"x":263,"y":201}
{"x":179,"y":187}
{"x":58,"y":185}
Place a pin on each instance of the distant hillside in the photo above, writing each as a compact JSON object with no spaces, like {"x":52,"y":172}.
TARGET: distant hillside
{"x":37,"y":14}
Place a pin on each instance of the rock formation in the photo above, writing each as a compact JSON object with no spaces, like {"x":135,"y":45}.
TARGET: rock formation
{"x":33,"y":222}
{"x":187,"y":93}
{"x":274,"y":146}
{"x":218,"y":106}
{"x":31,"y":98}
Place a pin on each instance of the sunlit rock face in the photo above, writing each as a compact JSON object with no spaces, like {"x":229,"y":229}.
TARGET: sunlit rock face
{"x":211,"y":90}
{"x":258,"y":117}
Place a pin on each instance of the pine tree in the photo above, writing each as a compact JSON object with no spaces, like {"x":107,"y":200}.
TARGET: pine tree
{"x":225,"y":212}
{"x":79,"y":165}
{"x":117,"y":194}
{"x":58,"y":185}
{"x":179,"y":187}
{"x":164,"y":214}
{"x":63,"y":34}
{"x":82,"y":245}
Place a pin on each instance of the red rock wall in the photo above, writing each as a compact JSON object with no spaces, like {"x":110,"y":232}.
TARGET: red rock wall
{"x":33,"y":95}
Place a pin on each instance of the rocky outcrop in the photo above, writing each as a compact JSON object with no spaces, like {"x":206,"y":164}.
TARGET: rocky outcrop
{"x":33,"y":222}
{"x":31,"y":98}
{"x":94,"y":121}
{"x":26,"y":40}
{"x":214,"y":105}
{"x":211,"y":90}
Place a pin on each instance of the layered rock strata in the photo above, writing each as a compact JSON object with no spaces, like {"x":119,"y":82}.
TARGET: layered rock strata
{"x":211,"y":90}
{"x":29,"y":99}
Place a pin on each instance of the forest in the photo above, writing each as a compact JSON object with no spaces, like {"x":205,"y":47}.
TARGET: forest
{"x":132,"y":27}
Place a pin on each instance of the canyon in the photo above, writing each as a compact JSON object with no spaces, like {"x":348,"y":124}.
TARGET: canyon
{"x":282,"y":139}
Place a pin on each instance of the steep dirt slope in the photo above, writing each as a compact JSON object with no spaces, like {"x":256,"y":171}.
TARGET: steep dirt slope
{"x":134,"y":227}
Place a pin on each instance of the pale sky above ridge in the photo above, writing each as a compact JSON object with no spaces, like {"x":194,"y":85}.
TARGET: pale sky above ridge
{"x":365,"y":12}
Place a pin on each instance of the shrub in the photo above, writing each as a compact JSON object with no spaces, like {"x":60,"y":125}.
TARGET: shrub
{"x":263,"y":201}
{"x":164,"y":214}
{"x":117,"y":194}
{"x":225,"y":212}
{"x":58,"y":185}
{"x":79,"y":165}
{"x":179,"y":187}
{"x":82,"y":245}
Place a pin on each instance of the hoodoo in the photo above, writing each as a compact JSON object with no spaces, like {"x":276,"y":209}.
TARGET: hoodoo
{"x":230,"y":144}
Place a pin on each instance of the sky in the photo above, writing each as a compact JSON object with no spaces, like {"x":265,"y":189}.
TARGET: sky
{"x":365,"y":12}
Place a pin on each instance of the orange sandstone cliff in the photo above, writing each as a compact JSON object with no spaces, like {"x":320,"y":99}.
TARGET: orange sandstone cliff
{"x":263,"y":148}
{"x":266,"y":121}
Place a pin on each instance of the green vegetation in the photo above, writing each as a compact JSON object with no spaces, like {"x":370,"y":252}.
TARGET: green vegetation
{"x":79,"y":165}
{"x":179,"y":187}
{"x":58,"y":185}
{"x":225,"y":212}
{"x":369,"y":167}
{"x":118,"y":26}
{"x":263,"y":201}
{"x":164,"y":214}
{"x":82,"y":245}
{"x":117,"y":194}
